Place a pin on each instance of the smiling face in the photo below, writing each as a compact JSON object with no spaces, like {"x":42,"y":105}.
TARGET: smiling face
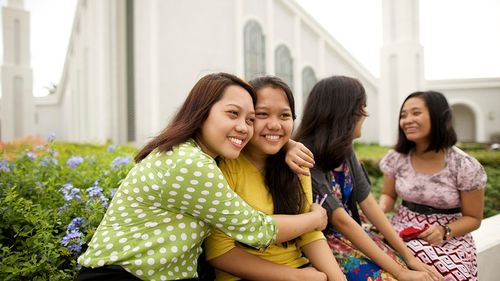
{"x":415,"y":120}
{"x":229,"y":125}
{"x":273,"y":123}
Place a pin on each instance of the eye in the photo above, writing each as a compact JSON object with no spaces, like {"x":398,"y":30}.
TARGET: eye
{"x":261,"y":114}
{"x":232,"y":113}
{"x":250,"y":120}
{"x":286,"y":115}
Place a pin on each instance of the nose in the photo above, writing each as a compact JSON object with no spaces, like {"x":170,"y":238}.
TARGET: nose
{"x":242,"y":127}
{"x":273,"y":124}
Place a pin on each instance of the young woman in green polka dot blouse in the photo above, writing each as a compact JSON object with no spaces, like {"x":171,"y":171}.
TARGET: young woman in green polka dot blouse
{"x":165,"y":207}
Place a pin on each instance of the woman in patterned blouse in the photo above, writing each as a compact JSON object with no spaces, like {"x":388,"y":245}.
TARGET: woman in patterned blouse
{"x":165,"y":207}
{"x":441,"y":186}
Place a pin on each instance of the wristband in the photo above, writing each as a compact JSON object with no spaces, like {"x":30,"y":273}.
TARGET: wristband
{"x":447,"y":232}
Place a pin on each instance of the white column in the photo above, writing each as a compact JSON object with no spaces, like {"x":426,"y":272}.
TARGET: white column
{"x":401,"y":63}
{"x":17,"y":114}
{"x":269,"y":33}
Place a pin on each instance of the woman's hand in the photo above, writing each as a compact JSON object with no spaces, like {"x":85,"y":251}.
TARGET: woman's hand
{"x":412,"y":275}
{"x":299,"y":158}
{"x":433,"y":235}
{"x":310,"y":274}
{"x":321,"y":216}
{"x":416,"y":264}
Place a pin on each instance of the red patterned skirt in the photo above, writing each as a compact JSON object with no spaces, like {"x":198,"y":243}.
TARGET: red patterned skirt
{"x":456,"y":259}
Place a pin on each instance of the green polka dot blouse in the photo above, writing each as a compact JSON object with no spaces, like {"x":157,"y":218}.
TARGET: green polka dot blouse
{"x":163,"y":211}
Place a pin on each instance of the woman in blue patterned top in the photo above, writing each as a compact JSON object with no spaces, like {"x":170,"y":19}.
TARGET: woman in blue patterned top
{"x":332,"y":119}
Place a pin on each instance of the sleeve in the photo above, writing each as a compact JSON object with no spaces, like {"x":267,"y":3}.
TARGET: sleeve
{"x":217,"y":244}
{"x":470,"y":174}
{"x":320,"y":187}
{"x":388,"y":164}
{"x":308,"y":237}
{"x":204,"y":193}
{"x":362,"y":185}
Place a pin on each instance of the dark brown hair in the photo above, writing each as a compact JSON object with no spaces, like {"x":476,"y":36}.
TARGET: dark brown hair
{"x":193,"y":112}
{"x":332,"y":110}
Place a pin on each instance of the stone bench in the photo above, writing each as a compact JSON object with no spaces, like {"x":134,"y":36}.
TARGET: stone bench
{"x":487,"y":239}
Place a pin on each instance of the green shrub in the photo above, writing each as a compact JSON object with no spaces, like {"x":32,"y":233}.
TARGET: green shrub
{"x":52,"y":197}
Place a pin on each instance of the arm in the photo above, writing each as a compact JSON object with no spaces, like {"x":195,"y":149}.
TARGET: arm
{"x":379,"y":220}
{"x":353,"y":231}
{"x":299,"y":158}
{"x":389,"y":195}
{"x":319,"y":254}
{"x":472,"y":204}
{"x":250,"y":267}
{"x":292,"y":226}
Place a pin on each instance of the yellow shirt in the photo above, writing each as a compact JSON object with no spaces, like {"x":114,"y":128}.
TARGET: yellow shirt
{"x":249,"y":183}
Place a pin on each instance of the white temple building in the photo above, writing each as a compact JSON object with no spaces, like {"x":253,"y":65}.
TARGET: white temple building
{"x":130,"y":64}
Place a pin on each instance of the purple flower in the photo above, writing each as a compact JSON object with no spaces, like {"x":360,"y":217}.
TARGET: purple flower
{"x":4,"y":166}
{"x":74,"y":161}
{"x":111,"y":148}
{"x":73,"y":240}
{"x":120,"y":161}
{"x":39,"y":184}
{"x":48,"y":160}
{"x":75,"y":224}
{"x":31,"y":155}
{"x":95,"y":193}
{"x":70,"y":192}
{"x":51,"y":137}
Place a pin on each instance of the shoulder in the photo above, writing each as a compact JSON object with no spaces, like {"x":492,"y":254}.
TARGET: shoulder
{"x":461,"y":160}
{"x":318,"y":175}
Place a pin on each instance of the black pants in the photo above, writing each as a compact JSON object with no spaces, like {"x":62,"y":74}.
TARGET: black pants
{"x":109,"y":273}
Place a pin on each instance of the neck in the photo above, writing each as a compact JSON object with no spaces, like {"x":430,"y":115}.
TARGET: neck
{"x":257,"y":159}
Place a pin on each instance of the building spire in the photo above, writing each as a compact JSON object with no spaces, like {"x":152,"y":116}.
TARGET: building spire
{"x":17,"y":113}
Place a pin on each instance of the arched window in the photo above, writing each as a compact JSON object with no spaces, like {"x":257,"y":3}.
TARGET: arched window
{"x":284,"y":64}
{"x":308,"y":81}
{"x":254,"y":50}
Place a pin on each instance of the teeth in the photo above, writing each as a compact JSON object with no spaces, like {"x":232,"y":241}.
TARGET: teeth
{"x":235,"y":140}
{"x":272,"y":137}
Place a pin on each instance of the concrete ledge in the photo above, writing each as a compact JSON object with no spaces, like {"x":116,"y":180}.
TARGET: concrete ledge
{"x":487,"y":239}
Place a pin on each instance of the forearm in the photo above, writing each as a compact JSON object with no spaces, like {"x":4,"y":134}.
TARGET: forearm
{"x":464,"y":225}
{"x":321,"y":257}
{"x":292,"y":226}
{"x":380,"y":221}
{"x":389,"y":195}
{"x":250,"y":267}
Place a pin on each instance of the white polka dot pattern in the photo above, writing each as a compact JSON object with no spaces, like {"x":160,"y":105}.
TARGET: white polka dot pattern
{"x":155,"y":224}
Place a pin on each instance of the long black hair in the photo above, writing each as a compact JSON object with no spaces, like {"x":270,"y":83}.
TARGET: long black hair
{"x":332,"y":110}
{"x":283,"y":184}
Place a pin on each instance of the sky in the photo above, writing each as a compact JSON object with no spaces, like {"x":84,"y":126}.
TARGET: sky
{"x":461,"y":38}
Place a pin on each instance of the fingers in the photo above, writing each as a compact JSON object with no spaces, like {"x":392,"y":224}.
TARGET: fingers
{"x":298,"y":169}
{"x":434,"y":273}
{"x":306,"y":150}
{"x":303,"y":159}
{"x":432,"y":235}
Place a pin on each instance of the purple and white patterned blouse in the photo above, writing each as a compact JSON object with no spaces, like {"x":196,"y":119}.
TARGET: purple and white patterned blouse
{"x":440,"y":190}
